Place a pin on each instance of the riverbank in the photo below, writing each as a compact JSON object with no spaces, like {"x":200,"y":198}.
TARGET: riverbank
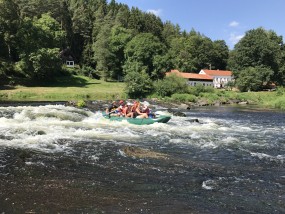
{"x":80,"y":88}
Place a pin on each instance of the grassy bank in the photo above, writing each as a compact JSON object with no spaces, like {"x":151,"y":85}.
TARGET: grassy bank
{"x":65,"y":89}
{"x":267,"y":99}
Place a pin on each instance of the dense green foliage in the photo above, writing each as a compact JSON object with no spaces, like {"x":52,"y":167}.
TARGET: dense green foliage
{"x":170,"y":85}
{"x":103,"y":38}
{"x":111,"y":41}
{"x":252,"y":78}
{"x":257,"y":59}
{"x":138,"y":82}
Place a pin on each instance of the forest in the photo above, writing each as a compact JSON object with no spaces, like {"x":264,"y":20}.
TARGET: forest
{"x":113,"y":42}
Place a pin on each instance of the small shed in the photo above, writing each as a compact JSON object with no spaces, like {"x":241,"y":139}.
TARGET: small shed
{"x":69,"y":64}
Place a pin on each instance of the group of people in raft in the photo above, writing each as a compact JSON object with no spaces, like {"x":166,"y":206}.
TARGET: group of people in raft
{"x":128,"y":109}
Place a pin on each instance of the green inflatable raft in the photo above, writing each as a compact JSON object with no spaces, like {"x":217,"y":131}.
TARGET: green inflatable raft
{"x":140,"y":121}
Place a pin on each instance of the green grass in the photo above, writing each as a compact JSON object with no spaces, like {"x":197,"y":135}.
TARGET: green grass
{"x":65,"y":89}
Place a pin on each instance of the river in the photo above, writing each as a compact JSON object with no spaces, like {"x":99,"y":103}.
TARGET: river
{"x":60,"y":159}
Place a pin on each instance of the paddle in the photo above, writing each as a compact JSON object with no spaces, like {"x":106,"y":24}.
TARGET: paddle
{"x":109,"y":114}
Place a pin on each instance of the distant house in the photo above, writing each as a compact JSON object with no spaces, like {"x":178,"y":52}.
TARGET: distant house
{"x":193,"y":78}
{"x":220,"y":77}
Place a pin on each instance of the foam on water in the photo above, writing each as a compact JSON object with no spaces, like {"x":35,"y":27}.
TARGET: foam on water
{"x":56,"y":128}
{"x":276,"y":158}
{"x":217,"y":161}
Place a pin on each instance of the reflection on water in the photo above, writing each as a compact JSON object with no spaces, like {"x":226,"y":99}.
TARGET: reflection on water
{"x":55,"y":158}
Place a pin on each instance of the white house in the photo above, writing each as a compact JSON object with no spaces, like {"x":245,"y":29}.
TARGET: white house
{"x":193,"y":78}
{"x":220,"y":77}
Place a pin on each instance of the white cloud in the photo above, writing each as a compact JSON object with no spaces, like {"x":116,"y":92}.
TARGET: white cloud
{"x":234,"y":38}
{"x":234,"y":24}
{"x":155,"y":12}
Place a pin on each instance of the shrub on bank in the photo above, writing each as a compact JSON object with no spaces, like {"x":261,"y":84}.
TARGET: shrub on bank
{"x":196,"y":90}
{"x":184,"y":98}
{"x":81,"y":104}
{"x":280,"y":91}
{"x":210,"y":97}
{"x":171,"y":84}
{"x":280,"y":103}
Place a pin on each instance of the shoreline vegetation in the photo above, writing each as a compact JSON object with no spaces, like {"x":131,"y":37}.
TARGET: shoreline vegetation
{"x":42,"y":42}
{"x":79,"y":90}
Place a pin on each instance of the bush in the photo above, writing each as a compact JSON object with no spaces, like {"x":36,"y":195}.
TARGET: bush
{"x":199,"y":88}
{"x":81,"y":104}
{"x":252,"y":78}
{"x":170,"y":85}
{"x":184,"y":97}
{"x":210,"y":97}
{"x":138,"y":84}
{"x":45,"y":63}
{"x":280,"y":104}
{"x":230,"y":85}
{"x":40,"y":65}
{"x":280,"y":91}
{"x":89,"y":72}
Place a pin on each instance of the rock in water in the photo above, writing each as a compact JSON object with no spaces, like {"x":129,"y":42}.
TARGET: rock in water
{"x":176,"y":113}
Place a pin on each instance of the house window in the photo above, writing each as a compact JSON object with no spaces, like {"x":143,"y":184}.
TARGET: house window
{"x":70,"y":64}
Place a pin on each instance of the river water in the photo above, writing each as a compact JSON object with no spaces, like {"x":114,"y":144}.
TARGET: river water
{"x":59,"y":159}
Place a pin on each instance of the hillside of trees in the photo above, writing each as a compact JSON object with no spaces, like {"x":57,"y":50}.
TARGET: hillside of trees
{"x":112,"y":41}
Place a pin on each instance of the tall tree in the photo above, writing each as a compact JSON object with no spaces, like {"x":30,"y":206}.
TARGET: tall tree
{"x":192,"y":51}
{"x":258,"y":47}
{"x":9,"y":25}
{"x":220,"y":55}
{"x":136,"y":20}
{"x":119,"y":39}
{"x":44,"y":32}
{"x":99,"y":19}
{"x":201,"y":49}
{"x":181,"y":57}
{"x":83,"y":20}
{"x":102,"y":53}
{"x":170,"y":32}
{"x":39,"y":48}
{"x":143,"y":48}
{"x":122,"y":16}
{"x":152,"y":24}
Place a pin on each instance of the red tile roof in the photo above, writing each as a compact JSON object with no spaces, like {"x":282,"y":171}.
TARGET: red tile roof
{"x":217,"y":72}
{"x":190,"y":75}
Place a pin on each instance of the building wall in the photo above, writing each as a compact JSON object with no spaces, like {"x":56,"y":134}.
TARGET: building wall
{"x":221,"y":81}
{"x":196,"y":82}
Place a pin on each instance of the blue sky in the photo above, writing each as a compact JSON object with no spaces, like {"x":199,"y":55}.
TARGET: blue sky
{"x":218,"y":19}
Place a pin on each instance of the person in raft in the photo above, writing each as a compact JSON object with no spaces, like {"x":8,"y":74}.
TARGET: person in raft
{"x":112,"y":107}
{"x":147,"y":110}
{"x":120,"y":109}
{"x":114,"y":110}
{"x":137,"y":111}
{"x":127,"y":110}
